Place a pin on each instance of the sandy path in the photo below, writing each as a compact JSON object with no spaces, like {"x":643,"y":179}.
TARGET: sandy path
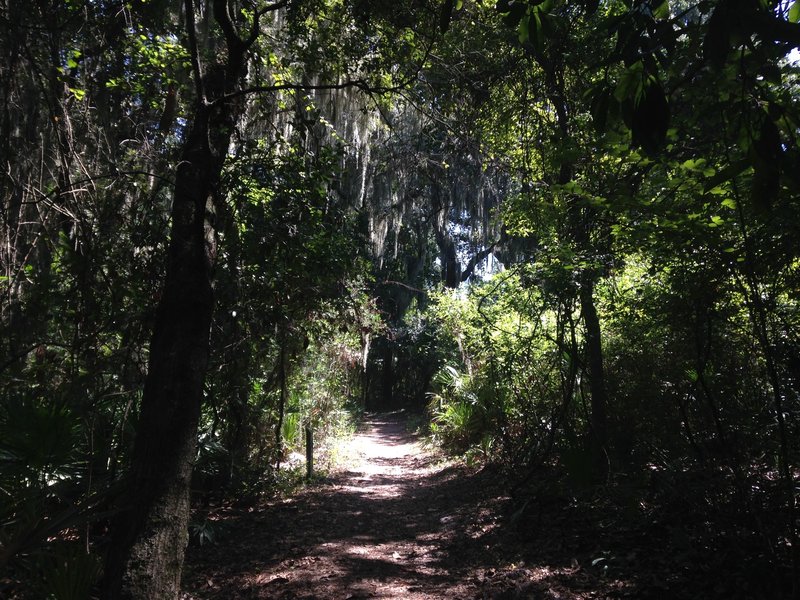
{"x":396,"y":524}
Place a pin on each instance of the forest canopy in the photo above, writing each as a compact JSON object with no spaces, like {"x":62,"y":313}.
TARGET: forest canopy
{"x":566,"y":233}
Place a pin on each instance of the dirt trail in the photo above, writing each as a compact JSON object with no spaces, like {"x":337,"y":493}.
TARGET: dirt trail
{"x":396,"y":524}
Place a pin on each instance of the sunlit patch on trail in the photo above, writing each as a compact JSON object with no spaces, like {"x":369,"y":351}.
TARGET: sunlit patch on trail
{"x":396,"y":523}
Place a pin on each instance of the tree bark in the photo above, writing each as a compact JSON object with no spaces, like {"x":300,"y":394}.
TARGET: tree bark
{"x":150,"y":538}
{"x":150,"y":535}
{"x":594,"y":351}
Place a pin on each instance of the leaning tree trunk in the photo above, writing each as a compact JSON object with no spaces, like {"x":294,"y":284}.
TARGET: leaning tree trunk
{"x":151,"y":533}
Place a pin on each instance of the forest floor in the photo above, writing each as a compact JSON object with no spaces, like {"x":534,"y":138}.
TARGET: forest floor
{"x":395,"y":522}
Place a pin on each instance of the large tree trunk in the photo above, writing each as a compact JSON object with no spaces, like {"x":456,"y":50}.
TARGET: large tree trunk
{"x":150,"y":535}
{"x":594,"y":351}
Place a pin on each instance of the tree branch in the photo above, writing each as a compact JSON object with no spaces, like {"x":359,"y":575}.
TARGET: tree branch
{"x":278,"y":87}
{"x":254,"y":30}
{"x":403,"y":285}
{"x":194,"y":54}
{"x":223,"y":17}
{"x":772,"y":28}
{"x":475,"y":260}
{"x":350,"y":83}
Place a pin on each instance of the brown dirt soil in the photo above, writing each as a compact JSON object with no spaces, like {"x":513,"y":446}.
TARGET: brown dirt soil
{"x":396,"y":523}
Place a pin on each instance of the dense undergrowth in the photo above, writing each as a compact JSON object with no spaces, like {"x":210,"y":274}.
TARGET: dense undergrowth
{"x":693,"y":453}
{"x":54,"y":546}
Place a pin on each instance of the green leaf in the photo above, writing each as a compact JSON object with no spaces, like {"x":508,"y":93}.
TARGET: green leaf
{"x":511,"y":12}
{"x":794,"y":12}
{"x":729,"y":203}
{"x":650,"y":117}
{"x":693,"y":164}
{"x":573,"y":187}
{"x":523,"y":29}
{"x":72,"y":59}
{"x":662,"y":10}
{"x":630,"y":84}
{"x":536,"y":27}
{"x":599,"y":109}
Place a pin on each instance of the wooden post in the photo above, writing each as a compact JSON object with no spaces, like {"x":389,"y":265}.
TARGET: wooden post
{"x":309,"y":452}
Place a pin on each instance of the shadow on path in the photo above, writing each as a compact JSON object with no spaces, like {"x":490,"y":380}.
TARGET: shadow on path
{"x":396,"y":524}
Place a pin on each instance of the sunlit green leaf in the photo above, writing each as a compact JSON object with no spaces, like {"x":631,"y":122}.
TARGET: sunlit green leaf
{"x":523,"y":29}
{"x":794,"y":12}
{"x":630,"y":84}
{"x":662,"y":10}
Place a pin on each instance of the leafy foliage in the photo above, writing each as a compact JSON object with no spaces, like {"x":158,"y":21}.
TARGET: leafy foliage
{"x":627,"y":168}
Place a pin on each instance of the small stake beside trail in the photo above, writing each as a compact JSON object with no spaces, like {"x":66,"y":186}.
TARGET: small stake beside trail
{"x":309,"y":452}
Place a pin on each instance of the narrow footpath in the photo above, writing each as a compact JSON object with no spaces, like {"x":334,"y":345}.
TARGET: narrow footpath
{"x":397,"y":523}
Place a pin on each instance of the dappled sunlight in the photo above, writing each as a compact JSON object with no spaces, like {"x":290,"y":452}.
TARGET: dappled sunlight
{"x":395,"y":523}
